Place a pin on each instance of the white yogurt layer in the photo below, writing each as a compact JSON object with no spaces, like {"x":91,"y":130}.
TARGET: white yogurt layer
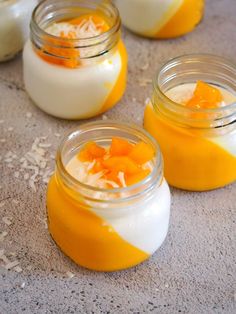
{"x":147,"y":17}
{"x":14,"y":26}
{"x":70,"y":93}
{"x":182,"y":93}
{"x":144,"y":225}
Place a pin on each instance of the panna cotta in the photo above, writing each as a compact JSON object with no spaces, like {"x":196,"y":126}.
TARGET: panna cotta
{"x":194,"y":121}
{"x":108,"y":203}
{"x":161,"y":18}
{"x":77,"y":68}
{"x":14,"y":26}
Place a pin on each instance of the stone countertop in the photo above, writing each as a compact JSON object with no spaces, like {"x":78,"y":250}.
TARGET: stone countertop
{"x":193,"y":272}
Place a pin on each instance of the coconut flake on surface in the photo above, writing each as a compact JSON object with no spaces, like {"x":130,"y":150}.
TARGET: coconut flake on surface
{"x":144,"y":81}
{"x":69,"y":274}
{"x":7,"y":220}
{"x":3,"y":235}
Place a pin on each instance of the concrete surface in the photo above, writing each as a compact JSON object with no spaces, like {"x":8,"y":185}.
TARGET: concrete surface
{"x":193,"y":272}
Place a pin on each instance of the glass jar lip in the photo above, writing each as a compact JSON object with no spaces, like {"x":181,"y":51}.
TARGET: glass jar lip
{"x":88,"y":41}
{"x":188,"y":57}
{"x":112,"y":124}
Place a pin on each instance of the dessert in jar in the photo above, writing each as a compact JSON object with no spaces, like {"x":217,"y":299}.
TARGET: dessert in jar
{"x":14,"y":26}
{"x":192,"y":114}
{"x":108,"y":203}
{"x":161,"y":18}
{"x":75,"y":63}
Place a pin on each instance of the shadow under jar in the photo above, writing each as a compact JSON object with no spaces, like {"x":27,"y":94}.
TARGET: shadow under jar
{"x":75,"y":63}
{"x":161,"y":18}
{"x":107,"y":229}
{"x":198,"y":145}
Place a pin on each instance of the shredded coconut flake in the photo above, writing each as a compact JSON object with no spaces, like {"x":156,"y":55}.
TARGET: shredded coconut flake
{"x":28,"y":115}
{"x":18,"y":269}
{"x":70,"y":274}
{"x":3,"y":235}
{"x":144,"y":81}
{"x":11,"y":265}
{"x":7,"y":220}
{"x":121,"y":177}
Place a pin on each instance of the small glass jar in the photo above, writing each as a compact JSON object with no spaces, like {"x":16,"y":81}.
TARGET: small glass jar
{"x":74,"y":78}
{"x":198,"y":145}
{"x":107,"y":229}
{"x":14,"y":26}
{"x":161,"y":19}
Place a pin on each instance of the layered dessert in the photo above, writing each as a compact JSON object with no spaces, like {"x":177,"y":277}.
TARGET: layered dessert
{"x":119,"y":223}
{"x":161,"y":18}
{"x":79,"y":70}
{"x":14,"y":26}
{"x":196,"y":157}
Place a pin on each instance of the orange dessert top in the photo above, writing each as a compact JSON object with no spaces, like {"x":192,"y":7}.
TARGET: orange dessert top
{"x":205,"y":96}
{"x":120,"y":165}
{"x":60,"y":50}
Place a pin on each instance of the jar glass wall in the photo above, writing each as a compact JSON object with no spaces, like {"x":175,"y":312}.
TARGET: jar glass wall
{"x":198,"y":145}
{"x":161,"y":19}
{"x":107,"y":229}
{"x":14,"y":26}
{"x":75,"y":64}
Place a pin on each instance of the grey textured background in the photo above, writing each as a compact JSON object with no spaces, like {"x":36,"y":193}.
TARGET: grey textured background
{"x":193,"y":272}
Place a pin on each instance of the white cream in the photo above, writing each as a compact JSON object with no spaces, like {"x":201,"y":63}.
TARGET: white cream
{"x":14,"y":26}
{"x":145,"y":224}
{"x":70,"y":93}
{"x":182,"y":93}
{"x":147,"y":17}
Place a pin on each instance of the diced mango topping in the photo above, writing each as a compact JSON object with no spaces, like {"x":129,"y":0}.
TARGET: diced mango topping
{"x":205,"y":96}
{"x":60,"y":51}
{"x":120,"y":147}
{"x":121,"y":159}
{"x":91,"y":151}
{"x":141,"y":153}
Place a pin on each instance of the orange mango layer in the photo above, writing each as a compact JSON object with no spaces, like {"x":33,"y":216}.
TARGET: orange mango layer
{"x":120,"y":85}
{"x":121,"y":156}
{"x":184,"y":21}
{"x":85,"y":237}
{"x":191,"y":162}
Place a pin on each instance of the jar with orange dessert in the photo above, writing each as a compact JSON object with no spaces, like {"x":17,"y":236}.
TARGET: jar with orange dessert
{"x":75,"y":64}
{"x":161,"y":18}
{"x":108,"y":203}
{"x":192,"y":114}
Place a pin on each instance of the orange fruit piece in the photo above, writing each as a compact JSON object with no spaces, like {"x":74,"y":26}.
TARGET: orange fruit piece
{"x":91,"y":151}
{"x":120,"y":147}
{"x":121,"y":163}
{"x":141,"y":153}
{"x":135,"y":178}
{"x":205,"y":96}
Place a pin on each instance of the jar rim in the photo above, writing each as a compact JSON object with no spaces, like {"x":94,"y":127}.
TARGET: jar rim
{"x":149,"y":180}
{"x":88,"y":41}
{"x":188,"y":58}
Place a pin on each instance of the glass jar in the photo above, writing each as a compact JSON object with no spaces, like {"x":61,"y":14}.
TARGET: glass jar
{"x":14,"y":26}
{"x":107,"y":229}
{"x":74,"y":78}
{"x":161,"y":19}
{"x":198,"y":145}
